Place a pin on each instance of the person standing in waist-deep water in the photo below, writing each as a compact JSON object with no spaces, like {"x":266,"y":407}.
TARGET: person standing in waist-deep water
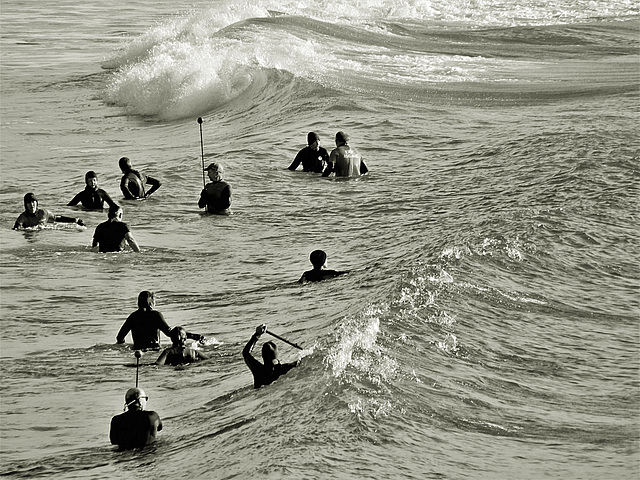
{"x":110,"y":236}
{"x":136,"y":427}
{"x":92,"y":197}
{"x":34,"y":216}
{"x":133,"y":182}
{"x":318,"y":259}
{"x":313,"y":157}
{"x":179,"y":353}
{"x":345,"y":161}
{"x":272,"y":369}
{"x":216,"y":195}
{"x":145,"y":325}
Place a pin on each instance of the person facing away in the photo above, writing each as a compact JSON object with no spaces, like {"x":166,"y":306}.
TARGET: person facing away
{"x":110,"y":236}
{"x":145,"y":325}
{"x":216,"y":195}
{"x":344,"y":160}
{"x":313,"y":157}
{"x":133,"y":182}
{"x":92,"y":197}
{"x":34,"y":216}
{"x":269,"y":371}
{"x":318,"y":259}
{"x":179,"y":353}
{"x":136,"y":427}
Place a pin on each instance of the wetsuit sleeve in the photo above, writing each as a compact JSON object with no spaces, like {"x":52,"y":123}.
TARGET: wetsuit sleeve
{"x":203,"y":199}
{"x":253,"y":364}
{"x":363,"y":167}
{"x":226,"y":196}
{"x":296,"y":161}
{"x":124,"y":187}
{"x":195,"y":336}
{"x":155,"y":185}
{"x":162,"y":324}
{"x":114,"y":432}
{"x":163,"y":357}
{"x":63,"y":219}
{"x":19,"y":222}
{"x":108,"y":199}
{"x":75,"y":200}
{"x":124,"y":330}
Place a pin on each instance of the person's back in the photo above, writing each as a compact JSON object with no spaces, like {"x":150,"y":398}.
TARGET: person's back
{"x":346,"y":161}
{"x":110,"y":236}
{"x":134,"y":429}
{"x":217,"y":199}
{"x":145,"y":325}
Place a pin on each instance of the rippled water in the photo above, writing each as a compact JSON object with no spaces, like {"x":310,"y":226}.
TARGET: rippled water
{"x":489,"y":323}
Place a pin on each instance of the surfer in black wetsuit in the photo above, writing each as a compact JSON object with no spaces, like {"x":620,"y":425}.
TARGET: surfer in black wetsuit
{"x":34,"y":216}
{"x":110,"y":236}
{"x":136,"y":427}
{"x":272,"y":369}
{"x":216,"y":195}
{"x":133,"y":182}
{"x":319,"y":261}
{"x":313,"y":157}
{"x":179,"y":353}
{"x":92,"y":197}
{"x":145,"y":325}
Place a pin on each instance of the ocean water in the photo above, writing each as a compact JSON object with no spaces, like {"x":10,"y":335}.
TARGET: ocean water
{"x":489,"y":325}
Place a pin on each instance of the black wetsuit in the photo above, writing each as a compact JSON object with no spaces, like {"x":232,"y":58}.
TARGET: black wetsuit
{"x":312,"y":160}
{"x":145,"y":327}
{"x":216,"y":196}
{"x":318,"y":275}
{"x":263,"y":375}
{"x":134,"y":429}
{"x":133,"y":182}
{"x":92,"y":199}
{"x":110,"y":235}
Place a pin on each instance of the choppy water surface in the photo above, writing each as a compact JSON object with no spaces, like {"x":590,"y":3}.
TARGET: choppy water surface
{"x":489,"y":323}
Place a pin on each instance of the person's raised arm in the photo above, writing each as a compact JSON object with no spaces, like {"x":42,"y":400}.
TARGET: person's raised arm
{"x":246,"y":351}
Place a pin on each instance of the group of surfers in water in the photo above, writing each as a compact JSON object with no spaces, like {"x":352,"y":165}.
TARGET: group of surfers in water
{"x":138,"y":427}
{"x":113,"y":234}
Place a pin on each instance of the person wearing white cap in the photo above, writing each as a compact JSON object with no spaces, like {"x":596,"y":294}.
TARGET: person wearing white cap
{"x":344,"y":160}
{"x":136,"y":427}
{"x":216,"y":195}
{"x":34,"y":216}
